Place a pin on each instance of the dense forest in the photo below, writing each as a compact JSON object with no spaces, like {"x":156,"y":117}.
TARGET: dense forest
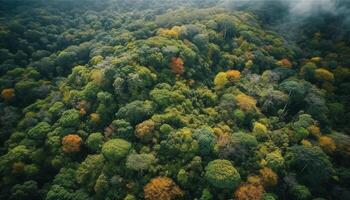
{"x":174,"y":99}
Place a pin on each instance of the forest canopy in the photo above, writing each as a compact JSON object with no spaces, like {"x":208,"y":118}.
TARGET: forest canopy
{"x":174,"y":99}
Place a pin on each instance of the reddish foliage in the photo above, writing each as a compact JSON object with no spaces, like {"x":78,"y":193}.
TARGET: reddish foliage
{"x":177,"y":65}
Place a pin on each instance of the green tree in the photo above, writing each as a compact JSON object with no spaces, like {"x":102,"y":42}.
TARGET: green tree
{"x":95,"y":141}
{"x":140,"y":162}
{"x":136,"y":111}
{"x":312,"y":164}
{"x":69,"y":118}
{"x":222,"y":174}
{"x":115,"y":149}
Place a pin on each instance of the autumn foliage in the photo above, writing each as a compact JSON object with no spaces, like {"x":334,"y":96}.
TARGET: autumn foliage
{"x":249,"y":192}
{"x":268,"y":177}
{"x":144,"y":130}
{"x":71,"y":143}
{"x":177,"y":66}
{"x":245,"y":102}
{"x":327,"y":144}
{"x":220,"y":80}
{"x":233,"y":75}
{"x":8,"y":94}
{"x":324,"y":75}
{"x":284,"y":63}
{"x":172,"y":33}
{"x":162,"y":188}
{"x":17,"y":167}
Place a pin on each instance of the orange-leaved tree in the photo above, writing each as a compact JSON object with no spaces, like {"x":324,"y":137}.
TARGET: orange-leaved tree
{"x":249,"y":192}
{"x":71,"y":143}
{"x":177,"y":66}
{"x":233,"y":75}
{"x":162,"y":188}
{"x":8,"y":94}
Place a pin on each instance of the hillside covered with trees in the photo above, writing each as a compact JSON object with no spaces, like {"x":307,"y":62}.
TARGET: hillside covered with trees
{"x":174,"y":99}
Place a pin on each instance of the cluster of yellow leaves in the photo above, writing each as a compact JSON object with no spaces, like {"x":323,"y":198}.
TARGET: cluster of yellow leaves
{"x":249,"y":64}
{"x":306,"y":143}
{"x":222,"y":78}
{"x":314,"y":131}
{"x":324,"y":75}
{"x":245,"y":102}
{"x":315,"y":59}
{"x":96,"y":76}
{"x":94,"y":117}
{"x":259,"y":128}
{"x":327,"y":144}
{"x":172,"y":33}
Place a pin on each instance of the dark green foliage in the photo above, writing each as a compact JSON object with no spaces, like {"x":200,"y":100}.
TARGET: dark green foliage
{"x":39,"y":131}
{"x":69,"y":118}
{"x":136,"y":111}
{"x":312,"y":164}
{"x":206,"y":141}
{"x":204,"y":92}
{"x":122,"y":129}
{"x":27,"y":190}
{"x":89,"y":170}
{"x":139,"y":162}
{"x":95,"y":141}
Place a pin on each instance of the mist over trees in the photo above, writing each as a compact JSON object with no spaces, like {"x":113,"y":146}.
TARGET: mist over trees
{"x":174,"y":99}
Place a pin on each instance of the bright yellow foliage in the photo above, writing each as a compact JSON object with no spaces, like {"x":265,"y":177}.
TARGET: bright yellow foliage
{"x":162,"y":188}
{"x":314,"y":130}
{"x":327,"y":144}
{"x":245,"y":102}
{"x":324,"y":74}
{"x":259,"y":128}
{"x":220,"y":80}
{"x":255,"y":180}
{"x":172,"y":33}
{"x":96,"y":59}
{"x":94,"y":117}
{"x":315,"y":59}
{"x":306,"y":143}
{"x":97,"y":76}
